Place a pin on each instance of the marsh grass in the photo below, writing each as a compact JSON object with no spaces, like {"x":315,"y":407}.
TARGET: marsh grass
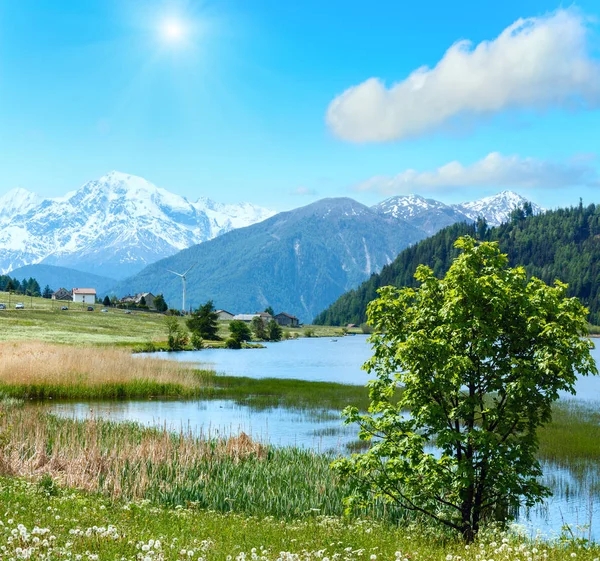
{"x":125,"y":460}
{"x":264,"y":393}
{"x":573,"y":436}
{"x":37,"y":370}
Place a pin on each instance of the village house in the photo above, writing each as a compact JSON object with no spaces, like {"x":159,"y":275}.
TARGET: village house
{"x":62,"y":294}
{"x":287,"y":320}
{"x":137,"y":300}
{"x":224,"y":315}
{"x":84,"y":295}
{"x":247,"y":318}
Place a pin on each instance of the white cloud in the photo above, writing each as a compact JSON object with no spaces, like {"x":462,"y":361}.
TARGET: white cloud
{"x":534,"y":63}
{"x":495,"y":170}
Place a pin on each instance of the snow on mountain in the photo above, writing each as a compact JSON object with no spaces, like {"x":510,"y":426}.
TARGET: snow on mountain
{"x":495,"y":209}
{"x":428,"y":215}
{"x":15,"y":201}
{"x":113,"y":226}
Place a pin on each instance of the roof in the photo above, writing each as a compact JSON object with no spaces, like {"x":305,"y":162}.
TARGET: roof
{"x":223,"y":312}
{"x":263,"y":314}
{"x":84,"y":291}
{"x":286,"y":315}
{"x":246,"y":317}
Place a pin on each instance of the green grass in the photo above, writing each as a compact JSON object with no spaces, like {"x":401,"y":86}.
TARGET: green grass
{"x":81,"y":525}
{"x":43,"y":320}
{"x":271,"y":392}
{"x":573,"y":436}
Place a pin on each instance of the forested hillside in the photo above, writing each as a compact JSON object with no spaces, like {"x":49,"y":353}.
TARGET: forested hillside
{"x":563,"y":244}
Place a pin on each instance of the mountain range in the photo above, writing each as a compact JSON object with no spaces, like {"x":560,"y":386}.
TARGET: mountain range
{"x":113,"y":226}
{"x":245,"y":257}
{"x":560,"y":244}
{"x":431,"y":216}
{"x":297,"y":261}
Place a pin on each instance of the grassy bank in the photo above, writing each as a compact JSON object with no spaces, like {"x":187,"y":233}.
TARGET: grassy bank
{"x":42,"y":370}
{"x":44,"y":521}
{"x":37,"y":370}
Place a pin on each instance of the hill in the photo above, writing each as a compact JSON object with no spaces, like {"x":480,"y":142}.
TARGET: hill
{"x":563,"y":244}
{"x":298,"y":261}
{"x":57,"y":277}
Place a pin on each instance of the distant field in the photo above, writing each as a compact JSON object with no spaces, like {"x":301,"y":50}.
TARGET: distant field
{"x":43,"y":320}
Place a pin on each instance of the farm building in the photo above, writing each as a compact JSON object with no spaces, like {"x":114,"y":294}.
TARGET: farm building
{"x":137,"y":299}
{"x":62,"y":294}
{"x":225,"y":315}
{"x":84,"y":295}
{"x":287,"y":320}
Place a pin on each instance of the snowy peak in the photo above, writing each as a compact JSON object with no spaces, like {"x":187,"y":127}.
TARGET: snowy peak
{"x":114,"y":225}
{"x":428,"y":215}
{"x":497,"y":208}
{"x":408,"y":206}
{"x":431,"y":216}
{"x":17,"y":201}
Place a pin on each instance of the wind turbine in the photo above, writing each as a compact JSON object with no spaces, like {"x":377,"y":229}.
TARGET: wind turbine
{"x":182,"y":275}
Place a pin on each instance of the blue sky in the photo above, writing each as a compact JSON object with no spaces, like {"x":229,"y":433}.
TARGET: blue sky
{"x":245,"y":104}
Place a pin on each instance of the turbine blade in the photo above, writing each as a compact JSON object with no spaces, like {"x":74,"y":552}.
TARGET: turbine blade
{"x":178,"y":274}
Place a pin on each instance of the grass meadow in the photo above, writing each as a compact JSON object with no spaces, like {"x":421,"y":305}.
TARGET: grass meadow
{"x":43,"y":320}
{"x":41,"y":521}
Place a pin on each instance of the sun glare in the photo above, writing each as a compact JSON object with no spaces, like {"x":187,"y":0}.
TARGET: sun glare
{"x":172,"y":30}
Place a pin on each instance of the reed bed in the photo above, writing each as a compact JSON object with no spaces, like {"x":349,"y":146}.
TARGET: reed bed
{"x":124,"y":460}
{"x":39,"y":370}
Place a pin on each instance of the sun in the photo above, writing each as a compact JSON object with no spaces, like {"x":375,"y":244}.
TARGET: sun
{"x":172,"y":30}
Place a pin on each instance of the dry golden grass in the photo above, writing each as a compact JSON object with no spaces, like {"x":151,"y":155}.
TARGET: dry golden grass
{"x":99,"y":455}
{"x":37,"y":367}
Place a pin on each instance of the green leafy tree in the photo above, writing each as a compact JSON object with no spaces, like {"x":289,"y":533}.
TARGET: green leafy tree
{"x":481,"y":354}
{"x":197,"y":342}
{"x":160,"y":304}
{"x":106,"y":301}
{"x":274,"y":331}
{"x":143,"y":301}
{"x":177,"y":338}
{"x":203,"y":322}
{"x":258,"y":327}
{"x":269,"y":310}
{"x":47,"y":293}
{"x":239,"y":331}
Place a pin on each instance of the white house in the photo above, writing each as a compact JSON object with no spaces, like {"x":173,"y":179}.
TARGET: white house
{"x":84,"y":295}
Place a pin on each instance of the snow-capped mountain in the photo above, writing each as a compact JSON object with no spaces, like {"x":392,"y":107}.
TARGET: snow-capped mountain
{"x":16,"y":201}
{"x":497,"y":208}
{"x":430,"y":215}
{"x":113,"y":226}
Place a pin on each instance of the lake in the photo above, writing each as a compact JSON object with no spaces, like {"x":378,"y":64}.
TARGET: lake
{"x":323,"y":359}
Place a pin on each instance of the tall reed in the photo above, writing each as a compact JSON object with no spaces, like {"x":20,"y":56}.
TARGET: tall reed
{"x":128,"y":461}
{"x":39,"y":370}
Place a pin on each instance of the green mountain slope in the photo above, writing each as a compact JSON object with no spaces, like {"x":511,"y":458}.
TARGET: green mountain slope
{"x":563,"y":244}
{"x":298,"y":261}
{"x":64,"y":277}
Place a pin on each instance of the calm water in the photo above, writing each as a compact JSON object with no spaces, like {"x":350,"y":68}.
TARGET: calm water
{"x":323,"y":359}
{"x":315,"y":359}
